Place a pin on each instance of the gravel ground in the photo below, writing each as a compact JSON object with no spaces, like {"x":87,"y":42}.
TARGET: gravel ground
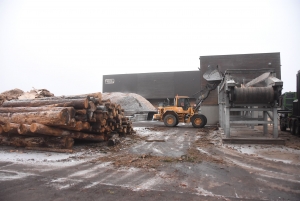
{"x":156,"y":163}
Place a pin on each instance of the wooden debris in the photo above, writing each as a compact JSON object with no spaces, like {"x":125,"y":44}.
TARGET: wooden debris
{"x":155,"y":140}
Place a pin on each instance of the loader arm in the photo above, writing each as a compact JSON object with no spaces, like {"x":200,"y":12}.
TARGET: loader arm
{"x":204,"y":93}
{"x":213,"y":77}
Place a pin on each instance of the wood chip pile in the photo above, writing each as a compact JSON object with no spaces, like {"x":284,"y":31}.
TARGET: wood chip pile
{"x":52,"y":123}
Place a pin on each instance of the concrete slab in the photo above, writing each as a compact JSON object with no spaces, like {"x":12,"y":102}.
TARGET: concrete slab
{"x":241,"y":134}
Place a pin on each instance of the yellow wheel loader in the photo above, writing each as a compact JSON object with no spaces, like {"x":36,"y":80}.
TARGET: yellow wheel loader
{"x":182,"y":112}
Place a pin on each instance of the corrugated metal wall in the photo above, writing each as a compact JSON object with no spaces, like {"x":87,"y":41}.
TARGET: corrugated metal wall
{"x":238,"y":61}
{"x":154,"y":85}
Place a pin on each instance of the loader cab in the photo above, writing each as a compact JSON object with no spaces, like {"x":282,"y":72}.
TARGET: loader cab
{"x":182,"y":101}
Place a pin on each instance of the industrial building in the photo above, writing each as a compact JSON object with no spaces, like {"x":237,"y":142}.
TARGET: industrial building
{"x":157,"y":87}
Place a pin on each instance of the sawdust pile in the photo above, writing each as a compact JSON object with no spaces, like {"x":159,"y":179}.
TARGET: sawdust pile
{"x":130,"y":101}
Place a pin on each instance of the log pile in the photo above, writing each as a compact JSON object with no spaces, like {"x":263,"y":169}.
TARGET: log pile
{"x":52,"y":123}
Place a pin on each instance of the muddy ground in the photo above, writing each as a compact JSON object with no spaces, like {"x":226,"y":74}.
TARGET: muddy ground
{"x":156,"y":163}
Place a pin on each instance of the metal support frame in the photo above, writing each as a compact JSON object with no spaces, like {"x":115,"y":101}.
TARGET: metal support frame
{"x":226,"y":105}
{"x":228,"y":119}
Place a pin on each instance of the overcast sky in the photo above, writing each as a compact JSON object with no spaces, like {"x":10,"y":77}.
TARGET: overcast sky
{"x":66,"y":46}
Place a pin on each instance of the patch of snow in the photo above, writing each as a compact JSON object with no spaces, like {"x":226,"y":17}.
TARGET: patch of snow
{"x":63,"y":183}
{"x":203,"y":151}
{"x":148,"y":184}
{"x":91,"y":185}
{"x":88,"y":173}
{"x":6,"y":175}
{"x":202,"y":191}
{"x":157,"y":150}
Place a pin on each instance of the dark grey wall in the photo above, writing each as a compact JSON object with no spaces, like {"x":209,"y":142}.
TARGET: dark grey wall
{"x":155,"y":85}
{"x":238,"y":61}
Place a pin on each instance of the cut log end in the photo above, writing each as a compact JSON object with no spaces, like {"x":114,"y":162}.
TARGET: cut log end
{"x":23,"y":129}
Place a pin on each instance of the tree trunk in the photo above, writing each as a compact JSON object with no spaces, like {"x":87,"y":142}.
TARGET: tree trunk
{"x":47,"y":130}
{"x":53,"y":118}
{"x":86,"y":126}
{"x":80,"y":112}
{"x":81,"y":117}
{"x":101,"y":107}
{"x":72,"y":123}
{"x":77,"y":127}
{"x":86,"y":136}
{"x":11,"y":128}
{"x":22,"y":141}
{"x":97,"y":95}
{"x":76,"y":103}
{"x":34,"y":109}
{"x":99,"y":115}
{"x":59,"y":142}
{"x":24,"y":129}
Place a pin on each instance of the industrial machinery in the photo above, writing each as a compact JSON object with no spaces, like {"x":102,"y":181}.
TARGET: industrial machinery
{"x":241,"y":95}
{"x":290,"y":110}
{"x":182,"y":111}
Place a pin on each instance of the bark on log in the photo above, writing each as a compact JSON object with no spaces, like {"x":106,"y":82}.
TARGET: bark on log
{"x":76,"y":103}
{"x":86,"y":126}
{"x":90,"y":110}
{"x":34,"y":109}
{"x":50,"y":149}
{"x":59,"y":142}
{"x":55,"y":118}
{"x":86,"y":136}
{"x":72,"y":123}
{"x":101,"y":107}
{"x":103,"y":102}
{"x":21,"y":141}
{"x":80,"y":112}
{"x":92,"y":107}
{"x":97,"y":95}
{"x":114,"y":140}
{"x":71,"y":111}
{"x":81,"y":117}
{"x":11,"y":128}
{"x":77,"y":127}
{"x":24,"y":129}
{"x":91,"y":96}
{"x":47,"y":130}
{"x":1,"y":129}
{"x":100,"y":115}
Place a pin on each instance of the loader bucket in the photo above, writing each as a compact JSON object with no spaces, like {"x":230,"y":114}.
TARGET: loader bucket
{"x":213,"y":75}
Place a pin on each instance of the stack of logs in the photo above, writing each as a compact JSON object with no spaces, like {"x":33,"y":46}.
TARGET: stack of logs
{"x":52,"y":123}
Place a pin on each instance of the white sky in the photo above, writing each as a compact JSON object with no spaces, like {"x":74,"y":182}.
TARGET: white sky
{"x":66,"y":46}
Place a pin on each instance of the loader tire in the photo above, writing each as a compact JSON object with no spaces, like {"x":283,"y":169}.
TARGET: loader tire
{"x":282,"y":125}
{"x":170,"y":120}
{"x":293,"y":127}
{"x":199,"y":121}
{"x":297,"y":127}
